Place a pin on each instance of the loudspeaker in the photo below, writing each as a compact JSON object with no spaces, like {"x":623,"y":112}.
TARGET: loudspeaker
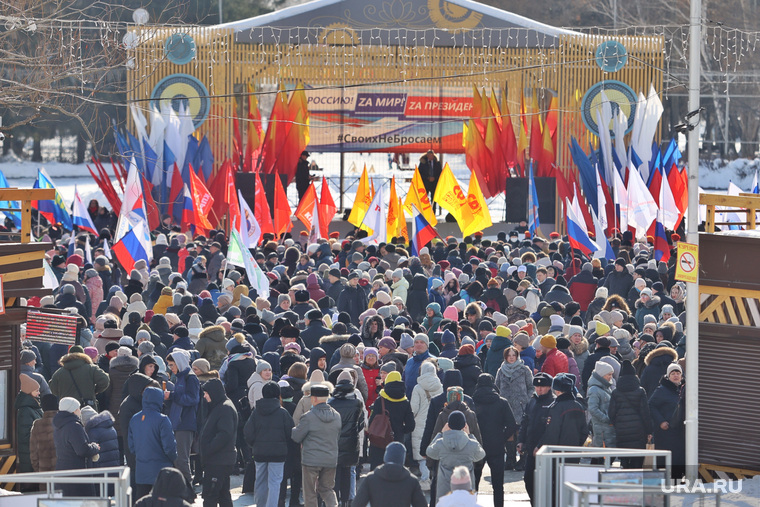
{"x":246,"y":183}
{"x":517,"y":199}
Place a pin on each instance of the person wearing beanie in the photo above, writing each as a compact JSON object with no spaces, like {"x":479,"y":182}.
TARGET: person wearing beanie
{"x":602,"y":349}
{"x":347,"y":361}
{"x":211,"y":346}
{"x":185,"y":399}
{"x":514,"y":382}
{"x":42,"y":445}
{"x":351,"y":410}
{"x":151,"y":441}
{"x":268,"y":431}
{"x":600,"y":387}
{"x":400,"y":285}
{"x":468,"y":363}
{"x":352,"y":298}
{"x":555,"y":362}
{"x":27,"y":366}
{"x":100,"y":429}
{"x":566,"y":423}
{"x":406,"y":343}
{"x":533,"y":425}
{"x":412,"y":368}
{"x":619,"y":281}
{"x":256,"y":381}
{"x":669,"y":431}
{"x":428,"y":386}
{"x":647,"y":304}
{"x":390,"y":483}
{"x":28,"y":410}
{"x":461,"y":494}
{"x":657,"y":363}
{"x":73,"y":448}
{"x":393,"y":401}
{"x":119,"y":370}
{"x":78,"y":378}
{"x":318,"y":431}
{"x":629,"y":412}
{"x":454,"y":447}
{"x":495,"y":354}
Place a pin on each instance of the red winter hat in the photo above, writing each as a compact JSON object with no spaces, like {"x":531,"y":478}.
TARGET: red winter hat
{"x":75,"y":259}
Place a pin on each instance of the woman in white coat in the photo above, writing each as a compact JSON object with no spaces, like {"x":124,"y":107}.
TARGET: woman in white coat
{"x":428,"y":386}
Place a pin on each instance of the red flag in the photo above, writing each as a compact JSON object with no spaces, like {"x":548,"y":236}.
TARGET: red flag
{"x":282,"y":211}
{"x":327,"y":209}
{"x":253,"y":146}
{"x":237,"y":141}
{"x":231,"y":200}
{"x":202,"y":203}
{"x":217,"y":185}
{"x":261,"y":208}
{"x":305,"y":210}
{"x":536,"y":135}
{"x":154,"y":217}
{"x":175,"y":190}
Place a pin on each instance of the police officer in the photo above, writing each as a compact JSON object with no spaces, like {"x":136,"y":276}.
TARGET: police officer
{"x":533,"y":425}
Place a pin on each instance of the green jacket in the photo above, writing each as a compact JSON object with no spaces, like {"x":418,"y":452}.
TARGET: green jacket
{"x":77,"y":370}
{"x":28,"y":410}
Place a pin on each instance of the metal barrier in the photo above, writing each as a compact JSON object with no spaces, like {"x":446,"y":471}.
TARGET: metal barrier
{"x":550,"y":457}
{"x":118,"y":477}
{"x":588,"y":494}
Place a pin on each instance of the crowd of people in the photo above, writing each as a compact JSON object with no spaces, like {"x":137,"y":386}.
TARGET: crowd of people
{"x":364,"y":376}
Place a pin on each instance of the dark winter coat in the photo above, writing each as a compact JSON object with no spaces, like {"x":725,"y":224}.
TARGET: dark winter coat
{"x":412,"y":370}
{"x":151,"y":438}
{"x":77,"y":370}
{"x":417,"y":298}
{"x":450,"y":378}
{"x":100,"y":429}
{"x":329,"y":344}
{"x":618,"y":283}
{"x":236,"y":377}
{"x":533,"y":423}
{"x":132,"y":404}
{"x":42,"y":444}
{"x":268,"y":431}
{"x":495,"y":298}
{"x":651,"y":307}
{"x":169,"y":490}
{"x":590,"y":363}
{"x":594,"y":308}
{"x":583,"y":288}
{"x":495,"y":419}
{"x":184,"y":401}
{"x":119,"y":370}
{"x":352,"y":300}
{"x":217,"y":438}
{"x":313,"y":334}
{"x":469,"y":365}
{"x":496,"y":354}
{"x":27,"y":412}
{"x":566,"y":423}
{"x":390,"y":484}
{"x":629,"y":412}
{"x":657,"y":363}
{"x":72,"y":446}
{"x":664,"y":407}
{"x":398,"y":408}
{"x":351,"y":412}
{"x":558,"y":294}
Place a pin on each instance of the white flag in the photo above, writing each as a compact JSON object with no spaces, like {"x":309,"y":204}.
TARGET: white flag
{"x":375,"y":218}
{"x":602,"y":200}
{"x":239,"y":255}
{"x":576,"y":207}
{"x":250,"y":230}
{"x":642,"y":210}
{"x":106,"y":249}
{"x":621,"y":198}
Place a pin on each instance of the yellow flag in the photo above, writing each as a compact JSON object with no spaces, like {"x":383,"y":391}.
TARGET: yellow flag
{"x":465,"y":133}
{"x":361,"y":201}
{"x":401,"y":230}
{"x":418,"y":197}
{"x":495,"y":111}
{"x":476,"y":204}
{"x":393,"y":216}
{"x":450,"y":196}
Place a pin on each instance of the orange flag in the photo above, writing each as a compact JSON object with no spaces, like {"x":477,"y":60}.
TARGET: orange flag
{"x":261,"y":208}
{"x":282,"y":212}
{"x":393,"y":213}
{"x":305,"y":210}
{"x":254,"y":141}
{"x":536,"y":139}
{"x":401,"y":231}
{"x":546,"y":162}
{"x":508,"y":141}
{"x":327,"y":209}
{"x":202,"y":202}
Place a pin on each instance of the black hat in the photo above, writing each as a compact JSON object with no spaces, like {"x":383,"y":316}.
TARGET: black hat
{"x":395,"y":454}
{"x":302,"y":296}
{"x":181,"y":331}
{"x":314,"y":314}
{"x":627,"y":368}
{"x":602,"y":342}
{"x":112,"y":346}
{"x":289,"y":332}
{"x":620,"y":261}
{"x":485,"y":380}
{"x":334,"y":272}
{"x":305,"y":154}
{"x":563,"y":343}
{"x":542,"y":379}
{"x":320,"y":391}
{"x":646,"y":337}
{"x":563,"y":382}
{"x":352,"y":275}
{"x":457,"y":420}
{"x":270,"y":390}
{"x":485,"y":325}
{"x":326,"y":303}
{"x":49,"y":402}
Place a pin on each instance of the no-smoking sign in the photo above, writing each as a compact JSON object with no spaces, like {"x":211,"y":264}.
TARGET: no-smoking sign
{"x":688,"y":260}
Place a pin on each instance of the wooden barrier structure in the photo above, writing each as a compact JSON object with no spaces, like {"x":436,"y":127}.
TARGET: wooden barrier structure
{"x":742,"y":203}
{"x":22,"y":269}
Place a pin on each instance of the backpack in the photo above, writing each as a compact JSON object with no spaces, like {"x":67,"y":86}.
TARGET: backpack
{"x":493,"y":304}
{"x":380,"y":432}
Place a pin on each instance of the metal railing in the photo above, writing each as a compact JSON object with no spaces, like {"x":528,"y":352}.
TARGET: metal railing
{"x":596,"y":494}
{"x":548,"y":484}
{"x":118,"y":477}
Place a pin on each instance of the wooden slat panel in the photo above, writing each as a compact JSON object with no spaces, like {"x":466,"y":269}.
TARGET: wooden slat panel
{"x":23,"y":257}
{"x":712,"y":306}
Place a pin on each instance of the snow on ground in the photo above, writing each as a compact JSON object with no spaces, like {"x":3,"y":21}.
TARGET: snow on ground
{"x":714,"y":176}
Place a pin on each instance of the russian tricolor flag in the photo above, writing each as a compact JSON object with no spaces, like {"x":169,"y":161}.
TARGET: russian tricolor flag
{"x":80,"y":215}
{"x":578,"y":238}
{"x":422,"y":232}
{"x":131,"y":248}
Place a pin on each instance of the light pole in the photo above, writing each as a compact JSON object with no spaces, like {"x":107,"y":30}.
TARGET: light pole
{"x":692,"y":289}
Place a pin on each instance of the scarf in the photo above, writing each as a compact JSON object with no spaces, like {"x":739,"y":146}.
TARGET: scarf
{"x":509,"y":370}
{"x":229,"y":359}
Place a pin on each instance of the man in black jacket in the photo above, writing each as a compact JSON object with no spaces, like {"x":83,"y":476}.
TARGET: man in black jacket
{"x":268,"y":432}
{"x":315,"y":329}
{"x":497,"y":425}
{"x":217,"y":445}
{"x":566,"y":421}
{"x":391,"y":483}
{"x":351,"y":412}
{"x":533,"y":425}
{"x":353,"y":299}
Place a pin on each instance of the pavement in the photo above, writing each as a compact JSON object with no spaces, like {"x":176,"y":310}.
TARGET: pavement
{"x":514,"y":491}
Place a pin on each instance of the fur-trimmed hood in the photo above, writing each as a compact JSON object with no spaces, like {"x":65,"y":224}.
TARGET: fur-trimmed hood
{"x":213,"y":333}
{"x":653,"y":301}
{"x":661,"y":351}
{"x":124,"y":362}
{"x":580,"y":348}
{"x":71,"y":360}
{"x":334,"y":338}
{"x":104,"y":419}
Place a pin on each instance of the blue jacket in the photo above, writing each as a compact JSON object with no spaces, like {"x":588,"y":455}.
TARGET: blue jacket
{"x":183,"y":343}
{"x":412,"y":371}
{"x":150,"y":438}
{"x":72,"y":446}
{"x":184,"y":401}
{"x":529,"y":357}
{"x":101,"y":431}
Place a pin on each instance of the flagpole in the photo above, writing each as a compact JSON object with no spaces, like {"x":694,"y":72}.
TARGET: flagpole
{"x":692,"y":289}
